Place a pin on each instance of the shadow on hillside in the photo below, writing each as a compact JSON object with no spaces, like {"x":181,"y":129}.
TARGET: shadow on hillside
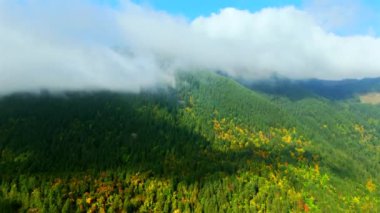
{"x":100,"y":132}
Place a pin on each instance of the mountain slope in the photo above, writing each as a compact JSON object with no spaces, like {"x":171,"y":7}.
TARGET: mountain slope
{"x":208,"y":145}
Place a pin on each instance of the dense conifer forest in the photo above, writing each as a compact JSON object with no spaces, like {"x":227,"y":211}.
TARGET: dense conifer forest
{"x":209,"y":144}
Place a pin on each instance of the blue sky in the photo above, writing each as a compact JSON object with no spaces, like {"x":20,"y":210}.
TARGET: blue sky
{"x":194,"y":8}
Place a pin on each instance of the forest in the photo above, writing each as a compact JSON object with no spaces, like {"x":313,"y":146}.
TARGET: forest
{"x":209,"y":144}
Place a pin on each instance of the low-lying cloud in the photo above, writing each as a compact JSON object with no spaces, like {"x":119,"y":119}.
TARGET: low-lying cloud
{"x":67,"y":45}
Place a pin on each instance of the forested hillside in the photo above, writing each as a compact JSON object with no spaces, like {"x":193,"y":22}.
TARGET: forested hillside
{"x":207,"y":145}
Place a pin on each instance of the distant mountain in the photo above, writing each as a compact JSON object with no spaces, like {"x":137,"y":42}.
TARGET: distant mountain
{"x":334,"y":90}
{"x":208,"y":145}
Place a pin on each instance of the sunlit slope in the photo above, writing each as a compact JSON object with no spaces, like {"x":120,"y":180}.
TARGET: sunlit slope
{"x":370,"y":98}
{"x":209,"y":144}
{"x":343,"y":134}
{"x":210,"y":95}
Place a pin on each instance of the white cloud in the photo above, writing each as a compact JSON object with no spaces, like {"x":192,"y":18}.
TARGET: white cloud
{"x":44,"y":47}
{"x":68,"y":45}
{"x":288,"y":41}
